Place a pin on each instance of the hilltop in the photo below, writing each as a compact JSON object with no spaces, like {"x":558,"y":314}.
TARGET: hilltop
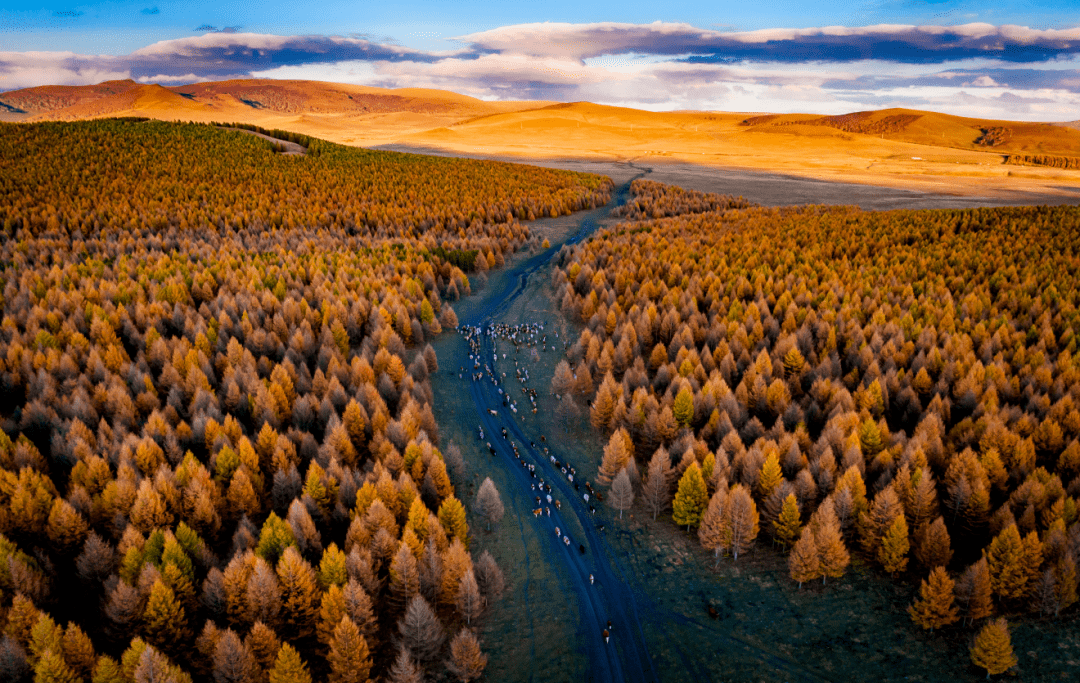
{"x":902,"y":148}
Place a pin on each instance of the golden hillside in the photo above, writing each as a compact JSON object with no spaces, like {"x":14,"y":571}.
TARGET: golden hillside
{"x":905,"y":148}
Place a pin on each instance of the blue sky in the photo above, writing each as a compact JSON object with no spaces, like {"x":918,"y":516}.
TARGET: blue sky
{"x":1018,"y":60}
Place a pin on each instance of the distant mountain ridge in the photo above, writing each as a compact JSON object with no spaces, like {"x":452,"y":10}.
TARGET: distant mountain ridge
{"x":116,"y":98}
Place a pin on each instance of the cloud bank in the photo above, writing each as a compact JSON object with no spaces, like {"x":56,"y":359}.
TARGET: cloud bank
{"x":973,"y":69}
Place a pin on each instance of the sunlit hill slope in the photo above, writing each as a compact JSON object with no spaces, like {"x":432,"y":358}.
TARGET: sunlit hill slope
{"x":897,"y":147}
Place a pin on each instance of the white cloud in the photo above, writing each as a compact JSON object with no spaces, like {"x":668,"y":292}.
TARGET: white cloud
{"x":666,"y":66}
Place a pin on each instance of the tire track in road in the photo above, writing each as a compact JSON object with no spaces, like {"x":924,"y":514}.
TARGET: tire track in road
{"x":619,"y":594}
{"x":627,"y":657}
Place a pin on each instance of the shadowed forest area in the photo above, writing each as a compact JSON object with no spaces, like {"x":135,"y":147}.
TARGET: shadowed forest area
{"x":895,"y":389}
{"x":218,"y":456}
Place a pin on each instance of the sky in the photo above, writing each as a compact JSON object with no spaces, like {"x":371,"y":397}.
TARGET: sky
{"x":1005,"y":59}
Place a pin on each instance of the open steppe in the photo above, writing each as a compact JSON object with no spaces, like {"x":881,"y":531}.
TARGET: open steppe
{"x":926,"y":159}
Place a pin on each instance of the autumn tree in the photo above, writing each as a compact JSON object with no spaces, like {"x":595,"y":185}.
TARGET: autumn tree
{"x":992,"y":649}
{"x":656,"y":488}
{"x":467,"y":661}
{"x":1005,"y":561}
{"x":420,"y":631}
{"x":934,"y":607}
{"x":299,"y":594}
{"x":894,"y":547}
{"x":833,"y":555}
{"x":622,"y":492}
{"x":404,"y":669}
{"x":804,"y":563}
{"x":233,"y":661}
{"x":787,"y":526}
{"x":617,"y":455}
{"x":715,"y":529}
{"x":469,"y":602}
{"x":288,"y":667}
{"x":349,"y":658}
{"x":744,"y":520}
{"x":691,"y":499}
{"x":488,"y":503}
{"x":974,"y":593}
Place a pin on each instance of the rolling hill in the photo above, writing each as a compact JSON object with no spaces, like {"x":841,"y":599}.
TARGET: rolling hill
{"x":896,"y":147}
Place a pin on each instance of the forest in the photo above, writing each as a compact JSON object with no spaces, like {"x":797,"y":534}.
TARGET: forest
{"x":218,"y":456}
{"x":899,"y":390}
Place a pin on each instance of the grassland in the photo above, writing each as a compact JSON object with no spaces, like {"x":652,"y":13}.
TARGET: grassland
{"x":902,"y":149}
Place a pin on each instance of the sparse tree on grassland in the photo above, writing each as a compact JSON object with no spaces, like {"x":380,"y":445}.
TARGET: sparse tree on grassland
{"x":934,"y":607}
{"x":992,"y":649}
{"x":744,"y":520}
{"x":832,"y":553}
{"x":489,"y":577}
{"x":488,"y":503}
{"x":562,"y":381}
{"x":803,"y":562}
{"x":469,"y":601}
{"x":715,"y":529}
{"x":622,"y":492}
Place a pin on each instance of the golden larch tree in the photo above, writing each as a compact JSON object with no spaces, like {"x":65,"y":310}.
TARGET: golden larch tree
{"x":803,"y":562}
{"x":934,"y":607}
{"x":691,"y":498}
{"x":992,"y":649}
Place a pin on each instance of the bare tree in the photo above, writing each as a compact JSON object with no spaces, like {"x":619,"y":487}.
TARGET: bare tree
{"x":467,"y":661}
{"x":469,"y":602}
{"x":454,"y":459}
{"x":421,"y":631}
{"x":489,"y":577}
{"x":488,"y":503}
{"x":622,"y":493}
{"x":233,"y":662}
{"x":563,"y":379}
{"x":657,"y":486}
{"x":405,"y":669}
